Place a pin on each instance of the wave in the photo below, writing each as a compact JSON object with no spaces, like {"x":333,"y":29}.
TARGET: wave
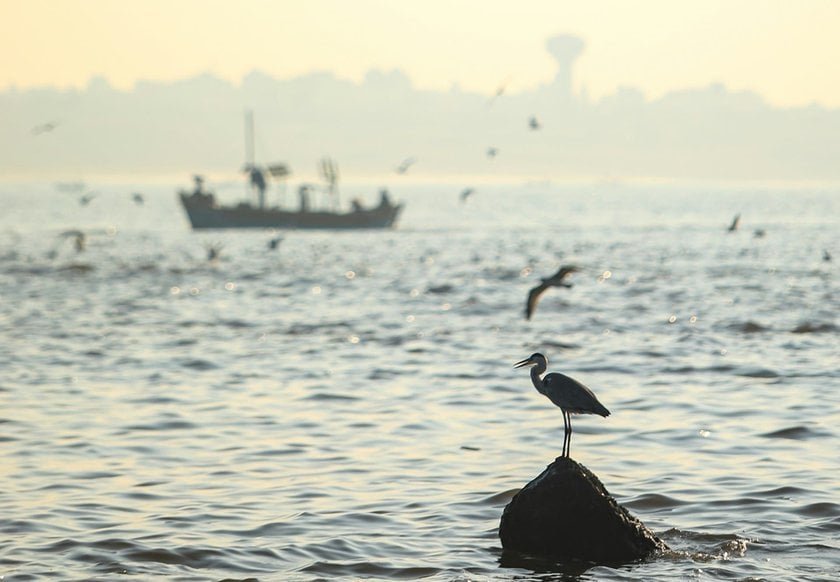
{"x":653,"y":501}
{"x":811,"y":327}
{"x":367,"y":569}
{"x":748,"y":327}
{"x":798,"y":433}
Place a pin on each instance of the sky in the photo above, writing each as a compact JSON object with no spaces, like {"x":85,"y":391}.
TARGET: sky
{"x":788,"y":52}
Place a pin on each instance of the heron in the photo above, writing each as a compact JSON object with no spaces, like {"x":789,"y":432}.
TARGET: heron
{"x":556,"y":280}
{"x":735,"y":223}
{"x":567,"y":393}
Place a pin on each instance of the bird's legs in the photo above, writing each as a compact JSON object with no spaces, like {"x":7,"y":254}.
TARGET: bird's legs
{"x":569,"y":435}
{"x":565,"y":433}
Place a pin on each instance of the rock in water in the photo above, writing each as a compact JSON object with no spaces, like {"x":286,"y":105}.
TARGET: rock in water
{"x":567,"y":514}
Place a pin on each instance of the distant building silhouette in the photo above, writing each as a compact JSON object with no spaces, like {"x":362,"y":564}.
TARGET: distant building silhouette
{"x":565,"y":49}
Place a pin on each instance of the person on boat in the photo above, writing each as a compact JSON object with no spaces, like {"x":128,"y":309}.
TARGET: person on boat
{"x":303,"y":193}
{"x":356,"y":204}
{"x":384,"y":198}
{"x":258,"y":182}
{"x":198,"y":192}
{"x":199,"y":184}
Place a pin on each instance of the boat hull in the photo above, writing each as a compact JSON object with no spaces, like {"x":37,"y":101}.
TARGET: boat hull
{"x":204,"y":213}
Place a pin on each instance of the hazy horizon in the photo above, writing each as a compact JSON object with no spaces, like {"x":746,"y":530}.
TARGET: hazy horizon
{"x":772,"y":47}
{"x":195,"y":125}
{"x":648,"y":91}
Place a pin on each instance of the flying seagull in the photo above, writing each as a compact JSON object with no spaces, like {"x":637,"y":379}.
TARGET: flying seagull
{"x":44,"y":127}
{"x":86,"y":199}
{"x":405,"y":165}
{"x":214,"y":251}
{"x":79,"y":238}
{"x":274,"y":242}
{"x":556,"y":280}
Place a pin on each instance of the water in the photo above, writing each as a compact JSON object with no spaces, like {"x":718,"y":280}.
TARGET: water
{"x":345,"y":407}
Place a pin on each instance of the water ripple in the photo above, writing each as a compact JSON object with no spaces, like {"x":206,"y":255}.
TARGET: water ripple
{"x":799,"y":433}
{"x":270,"y":416}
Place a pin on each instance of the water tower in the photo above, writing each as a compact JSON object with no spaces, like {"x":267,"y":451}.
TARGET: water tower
{"x":565,"y":49}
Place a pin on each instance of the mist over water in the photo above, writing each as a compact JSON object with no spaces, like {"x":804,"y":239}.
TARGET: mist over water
{"x":345,"y":407}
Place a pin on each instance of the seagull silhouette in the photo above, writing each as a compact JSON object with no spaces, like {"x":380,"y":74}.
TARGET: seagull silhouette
{"x":214,"y":251}
{"x":275,"y":242}
{"x":85,"y":200}
{"x":405,"y":165}
{"x":79,"y":238}
{"x":556,"y":280}
{"x":500,"y":90}
{"x":44,"y":127}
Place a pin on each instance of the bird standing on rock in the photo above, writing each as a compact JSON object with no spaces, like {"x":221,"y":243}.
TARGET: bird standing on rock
{"x":570,"y":395}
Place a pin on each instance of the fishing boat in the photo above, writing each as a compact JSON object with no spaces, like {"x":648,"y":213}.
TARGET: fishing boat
{"x":204,"y":210}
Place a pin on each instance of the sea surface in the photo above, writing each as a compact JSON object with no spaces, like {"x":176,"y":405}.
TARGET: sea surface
{"x":344,"y":407}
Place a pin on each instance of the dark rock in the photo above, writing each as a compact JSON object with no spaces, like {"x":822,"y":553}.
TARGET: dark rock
{"x":566,"y":513}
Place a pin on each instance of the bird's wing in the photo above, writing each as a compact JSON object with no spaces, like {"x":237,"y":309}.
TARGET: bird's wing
{"x":572,"y":396}
{"x":533,"y":298}
{"x":563,"y":272}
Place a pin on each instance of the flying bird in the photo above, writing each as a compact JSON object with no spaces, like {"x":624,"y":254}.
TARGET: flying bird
{"x":405,"y":165}
{"x":567,"y":393}
{"x":79,"y":238}
{"x":466,"y":193}
{"x":500,"y":90}
{"x":556,"y":280}
{"x":491,"y":152}
{"x":735,"y":222}
{"x":214,"y":251}
{"x":275,"y":242}
{"x":85,"y":200}
{"x":533,"y":123}
{"x":44,"y":127}
{"x":138,"y":198}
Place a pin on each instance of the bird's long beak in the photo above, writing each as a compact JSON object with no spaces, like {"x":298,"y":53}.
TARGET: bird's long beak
{"x":523,"y":363}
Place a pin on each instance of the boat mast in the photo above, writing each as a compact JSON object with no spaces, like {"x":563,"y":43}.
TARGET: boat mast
{"x":249,"y":138}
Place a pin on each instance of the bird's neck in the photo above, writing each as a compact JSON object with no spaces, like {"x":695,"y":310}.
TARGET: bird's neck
{"x":536,"y":380}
